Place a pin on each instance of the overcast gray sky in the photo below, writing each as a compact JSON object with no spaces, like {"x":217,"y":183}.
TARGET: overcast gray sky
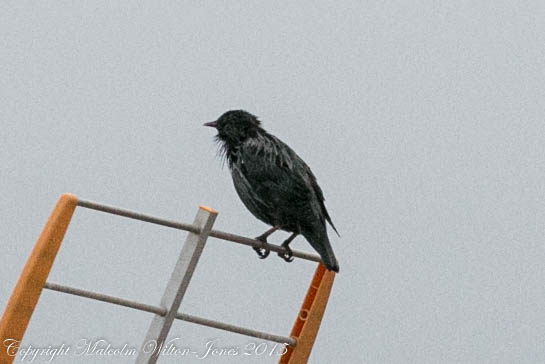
{"x":423,"y":122}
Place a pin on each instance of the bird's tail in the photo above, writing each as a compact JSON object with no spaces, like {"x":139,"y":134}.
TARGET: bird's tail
{"x":320,"y":242}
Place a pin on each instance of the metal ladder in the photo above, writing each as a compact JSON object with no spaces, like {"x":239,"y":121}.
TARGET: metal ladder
{"x":33,"y":279}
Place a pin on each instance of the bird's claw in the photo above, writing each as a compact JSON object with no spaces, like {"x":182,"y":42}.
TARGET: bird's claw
{"x":262,"y":251}
{"x":287,"y":254}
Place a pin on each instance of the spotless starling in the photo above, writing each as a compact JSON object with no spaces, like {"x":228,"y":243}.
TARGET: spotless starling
{"x":275,"y":184}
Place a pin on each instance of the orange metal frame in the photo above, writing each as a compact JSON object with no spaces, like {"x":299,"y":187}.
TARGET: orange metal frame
{"x":306,"y":326}
{"x":29,"y":286}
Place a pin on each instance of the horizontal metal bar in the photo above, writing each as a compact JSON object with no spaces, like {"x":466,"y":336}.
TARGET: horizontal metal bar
{"x":252,"y":242}
{"x":138,"y":216}
{"x":237,"y":329}
{"x":189,"y":227}
{"x":161,"y":311}
{"x":105,"y":298}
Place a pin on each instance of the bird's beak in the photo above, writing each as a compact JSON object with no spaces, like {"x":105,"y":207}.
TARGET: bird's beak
{"x":211,"y":124}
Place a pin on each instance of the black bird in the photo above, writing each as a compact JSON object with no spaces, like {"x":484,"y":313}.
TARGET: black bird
{"x":275,"y":184}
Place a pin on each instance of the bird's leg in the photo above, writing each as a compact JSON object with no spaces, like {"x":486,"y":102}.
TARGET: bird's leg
{"x":287,"y":255}
{"x":263,"y":251}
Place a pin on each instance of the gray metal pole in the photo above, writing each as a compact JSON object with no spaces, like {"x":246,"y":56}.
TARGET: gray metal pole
{"x":189,"y":227}
{"x":176,"y":287}
{"x":105,"y":298}
{"x":162,"y":312}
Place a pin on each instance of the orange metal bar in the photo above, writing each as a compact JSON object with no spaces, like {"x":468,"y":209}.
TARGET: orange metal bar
{"x":306,"y":326}
{"x":29,"y":286}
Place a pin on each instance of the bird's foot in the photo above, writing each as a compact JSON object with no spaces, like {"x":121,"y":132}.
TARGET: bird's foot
{"x":264,"y":250}
{"x":287,"y":254}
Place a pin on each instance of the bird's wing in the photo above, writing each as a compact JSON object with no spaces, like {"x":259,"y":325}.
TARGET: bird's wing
{"x":272,"y":165}
{"x":269,"y":166}
{"x":259,"y":206}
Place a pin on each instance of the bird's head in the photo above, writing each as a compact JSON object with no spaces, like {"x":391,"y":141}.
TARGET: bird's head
{"x":235,"y":126}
